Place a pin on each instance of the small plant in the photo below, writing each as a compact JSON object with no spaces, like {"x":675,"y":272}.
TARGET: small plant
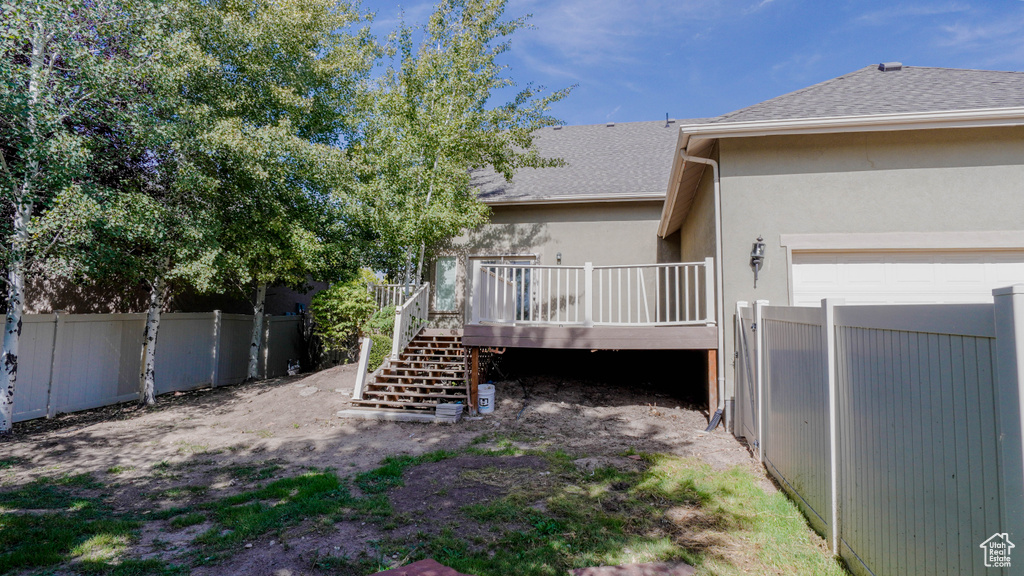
{"x":10,"y":462}
{"x":380,"y":350}
{"x":381,"y":322}
{"x":113,"y":470}
{"x":186,"y":520}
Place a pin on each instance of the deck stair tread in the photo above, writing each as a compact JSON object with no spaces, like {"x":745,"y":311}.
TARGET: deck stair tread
{"x":381,"y":386}
{"x":404,"y":394}
{"x":432,"y":369}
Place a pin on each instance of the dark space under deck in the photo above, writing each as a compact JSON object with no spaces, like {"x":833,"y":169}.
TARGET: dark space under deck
{"x":593,"y":338}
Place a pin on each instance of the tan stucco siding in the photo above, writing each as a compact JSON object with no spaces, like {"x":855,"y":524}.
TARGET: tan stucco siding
{"x":697,"y":236}
{"x":921,"y":181}
{"x":602,"y":233}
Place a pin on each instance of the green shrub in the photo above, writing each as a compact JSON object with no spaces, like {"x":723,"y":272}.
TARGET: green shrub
{"x":382,"y":322}
{"x":380,"y":350}
{"x":339,"y":311}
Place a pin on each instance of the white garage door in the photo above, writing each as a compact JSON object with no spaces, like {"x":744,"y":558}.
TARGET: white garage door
{"x":903,"y":277}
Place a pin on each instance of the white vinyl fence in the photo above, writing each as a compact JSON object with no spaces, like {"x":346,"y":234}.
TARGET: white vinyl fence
{"x":896,"y":429}
{"x":72,"y":362}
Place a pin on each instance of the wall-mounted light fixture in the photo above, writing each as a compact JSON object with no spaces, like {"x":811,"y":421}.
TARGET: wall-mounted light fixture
{"x":757,"y":257}
{"x":558,"y":259}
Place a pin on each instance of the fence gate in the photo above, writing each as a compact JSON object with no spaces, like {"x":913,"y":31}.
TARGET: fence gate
{"x":746,"y":376}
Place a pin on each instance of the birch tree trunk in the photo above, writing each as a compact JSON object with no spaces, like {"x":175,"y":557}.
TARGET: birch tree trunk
{"x":12,"y":326}
{"x":408,"y":271}
{"x":423,"y":245}
{"x":19,"y":244}
{"x":257,"y":332}
{"x":147,"y":381}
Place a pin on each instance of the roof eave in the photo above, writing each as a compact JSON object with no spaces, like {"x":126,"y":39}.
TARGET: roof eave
{"x":673,"y":184}
{"x":977,"y":118}
{"x":592,"y":199}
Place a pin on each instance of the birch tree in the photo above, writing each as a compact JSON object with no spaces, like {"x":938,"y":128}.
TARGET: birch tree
{"x":66,"y":67}
{"x":434,"y":121}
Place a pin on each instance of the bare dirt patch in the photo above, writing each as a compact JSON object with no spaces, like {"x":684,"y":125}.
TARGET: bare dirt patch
{"x":272,"y":420}
{"x":434,"y":493}
{"x":202,"y":446}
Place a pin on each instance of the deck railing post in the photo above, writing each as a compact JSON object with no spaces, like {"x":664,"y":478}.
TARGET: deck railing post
{"x":709,"y":290}
{"x":365,"y":344}
{"x":396,"y":337}
{"x":588,"y":294}
{"x":474,"y":294}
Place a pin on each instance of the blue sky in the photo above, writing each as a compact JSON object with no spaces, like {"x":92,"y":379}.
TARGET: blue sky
{"x":637,"y":60}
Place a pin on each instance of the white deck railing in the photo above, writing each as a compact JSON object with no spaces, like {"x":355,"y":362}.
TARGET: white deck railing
{"x":385,"y":295}
{"x":674,"y":294}
{"x":410,"y":316}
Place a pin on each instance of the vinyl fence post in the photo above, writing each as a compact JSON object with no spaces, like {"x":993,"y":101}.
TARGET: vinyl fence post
{"x":759,"y":344}
{"x":828,"y":332}
{"x":742,"y":406}
{"x":1009,"y":321}
{"x":215,"y":370}
{"x":265,"y":352}
{"x":58,"y":323}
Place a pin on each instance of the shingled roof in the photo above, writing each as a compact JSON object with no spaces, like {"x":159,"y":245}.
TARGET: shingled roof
{"x":870,"y":91}
{"x":613,"y":161}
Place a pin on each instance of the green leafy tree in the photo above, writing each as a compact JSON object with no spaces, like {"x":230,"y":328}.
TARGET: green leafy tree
{"x":433,"y":122}
{"x":72,"y":75}
{"x":282,"y":86}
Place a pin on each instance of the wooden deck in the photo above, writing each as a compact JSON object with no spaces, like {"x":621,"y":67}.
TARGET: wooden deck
{"x":592,"y":338}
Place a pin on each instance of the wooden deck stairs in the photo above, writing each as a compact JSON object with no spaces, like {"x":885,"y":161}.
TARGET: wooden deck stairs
{"x":432,"y":370}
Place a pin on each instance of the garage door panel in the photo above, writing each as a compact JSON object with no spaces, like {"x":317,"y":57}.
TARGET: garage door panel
{"x":903,"y":277}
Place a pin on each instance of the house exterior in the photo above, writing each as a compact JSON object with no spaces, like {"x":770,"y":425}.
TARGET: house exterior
{"x":553,"y":228}
{"x":890,"y":184}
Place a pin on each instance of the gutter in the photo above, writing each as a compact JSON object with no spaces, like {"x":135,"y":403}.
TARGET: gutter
{"x":719,"y":296}
{"x":577,"y":199}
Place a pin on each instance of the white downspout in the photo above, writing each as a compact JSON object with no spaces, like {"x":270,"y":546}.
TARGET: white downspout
{"x":720,"y":298}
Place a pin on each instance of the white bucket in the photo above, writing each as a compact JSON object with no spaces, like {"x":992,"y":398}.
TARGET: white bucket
{"x":485,"y":398}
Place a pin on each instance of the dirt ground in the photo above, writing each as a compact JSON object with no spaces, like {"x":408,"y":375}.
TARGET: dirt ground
{"x":293,"y":420}
{"x":290,"y":425}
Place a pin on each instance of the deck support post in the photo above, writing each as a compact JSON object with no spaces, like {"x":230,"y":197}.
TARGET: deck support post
{"x":712,"y":383}
{"x":474,"y":378}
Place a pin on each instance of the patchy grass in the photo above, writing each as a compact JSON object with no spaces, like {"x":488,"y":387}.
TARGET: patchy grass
{"x":9,"y":462}
{"x":389,"y":475}
{"x":673,"y":510}
{"x":277,"y":506}
{"x":47,"y":523}
{"x":114,"y":470}
{"x":186,"y":520}
{"x":253,"y":472}
{"x":544,"y":522}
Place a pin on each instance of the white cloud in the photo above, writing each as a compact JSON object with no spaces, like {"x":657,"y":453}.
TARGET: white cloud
{"x":758,"y":6}
{"x":894,"y":13}
{"x":980,"y":35}
{"x":592,"y":32}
